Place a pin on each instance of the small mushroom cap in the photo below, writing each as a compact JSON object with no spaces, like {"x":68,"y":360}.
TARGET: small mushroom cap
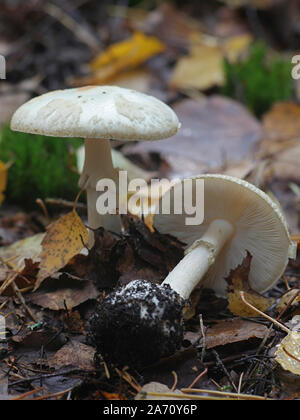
{"x":259,"y":225}
{"x":108,"y":112}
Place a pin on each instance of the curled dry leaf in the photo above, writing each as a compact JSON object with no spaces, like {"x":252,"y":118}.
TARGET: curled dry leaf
{"x":238,"y":281}
{"x":64,"y":239}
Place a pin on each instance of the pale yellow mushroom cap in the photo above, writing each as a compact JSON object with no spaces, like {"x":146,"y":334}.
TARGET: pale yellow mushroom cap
{"x":259,"y":224}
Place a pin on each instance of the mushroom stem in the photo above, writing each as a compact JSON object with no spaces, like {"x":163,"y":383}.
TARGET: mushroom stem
{"x":192,"y":268}
{"x":98,"y":165}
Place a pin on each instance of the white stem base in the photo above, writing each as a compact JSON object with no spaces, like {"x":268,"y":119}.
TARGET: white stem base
{"x":98,"y":165}
{"x":192,"y":268}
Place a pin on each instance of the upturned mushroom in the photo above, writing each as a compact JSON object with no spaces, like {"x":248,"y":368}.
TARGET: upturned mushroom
{"x":97,"y":114}
{"x":142,"y":322}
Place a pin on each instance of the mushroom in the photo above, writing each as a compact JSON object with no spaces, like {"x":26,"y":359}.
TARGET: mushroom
{"x":238,"y":218}
{"x":97,"y":114}
{"x":142,"y":322}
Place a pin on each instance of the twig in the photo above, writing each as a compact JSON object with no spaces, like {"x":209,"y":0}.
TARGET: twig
{"x":50,"y":375}
{"x":203,"y":337}
{"x":198,"y":378}
{"x":66,"y":20}
{"x":17,"y":290}
{"x":278,"y":324}
{"x":221,"y":364}
{"x":225,"y":394}
{"x":27,"y":394}
{"x":56,"y":395}
{"x":41,"y":203}
{"x":64,"y":203}
{"x":175,"y":380}
{"x":290,"y":302}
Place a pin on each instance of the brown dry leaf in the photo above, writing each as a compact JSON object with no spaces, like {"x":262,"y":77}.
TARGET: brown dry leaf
{"x":288,"y":353}
{"x":123,"y":56}
{"x":238,"y":281}
{"x":64,"y":294}
{"x":282,"y":122}
{"x":148,"y":254}
{"x":76,"y":354}
{"x":281,"y":129}
{"x":285,"y":164}
{"x":64,"y":239}
{"x":233,"y":331}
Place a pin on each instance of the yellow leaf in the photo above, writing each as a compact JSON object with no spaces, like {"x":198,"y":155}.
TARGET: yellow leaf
{"x":237,"y":282}
{"x":125,"y":55}
{"x":3,"y":180}
{"x":235,"y":46}
{"x":64,"y":239}
{"x":288,"y":353}
{"x":202,"y":69}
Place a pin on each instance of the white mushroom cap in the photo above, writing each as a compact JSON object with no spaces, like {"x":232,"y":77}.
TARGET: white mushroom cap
{"x":259,"y":225}
{"x":107,"y":112}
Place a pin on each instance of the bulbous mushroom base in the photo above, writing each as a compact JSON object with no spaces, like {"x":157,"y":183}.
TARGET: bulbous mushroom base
{"x":138,"y":324}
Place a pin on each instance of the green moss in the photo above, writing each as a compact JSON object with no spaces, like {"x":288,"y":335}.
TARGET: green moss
{"x":257,"y":82}
{"x":42,"y":167}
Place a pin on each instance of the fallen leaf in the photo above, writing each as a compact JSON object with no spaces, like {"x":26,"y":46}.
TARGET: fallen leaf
{"x":233,"y":331}
{"x":285,"y":164}
{"x":47,"y":337}
{"x":202,"y":69}
{"x":286,"y":299}
{"x":146,"y":254}
{"x":216,"y":131}
{"x":123,"y":56}
{"x":64,"y":239}
{"x":238,"y":280}
{"x":62,"y":294}
{"x":235,"y":46}
{"x":281,"y":127}
{"x":74,"y":354}
{"x":288,"y":353}
{"x":19,"y":251}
